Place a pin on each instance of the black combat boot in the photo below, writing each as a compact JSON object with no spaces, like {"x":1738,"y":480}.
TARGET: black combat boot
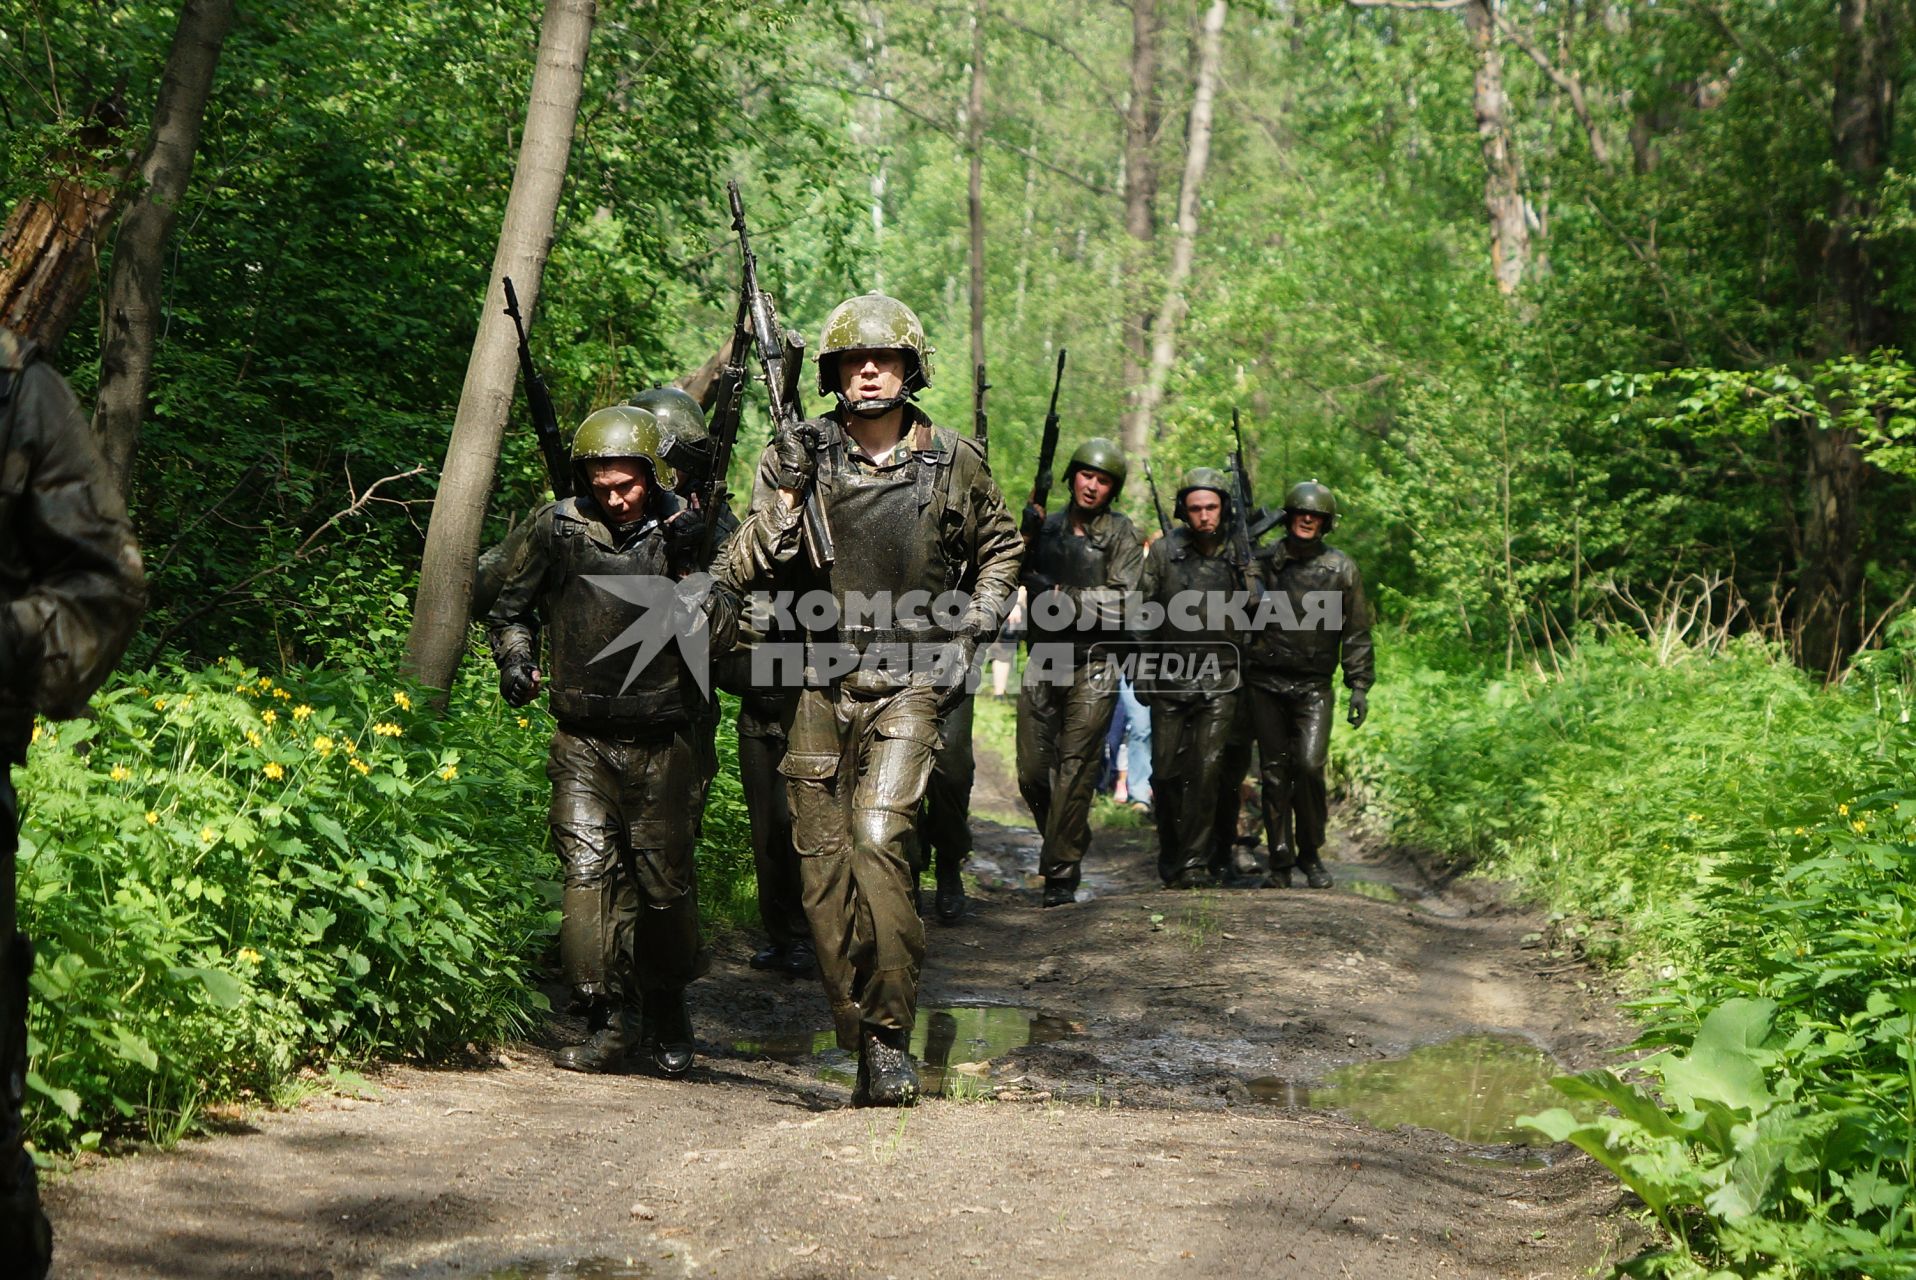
{"x":666,"y":1011}
{"x":771,"y":957}
{"x":950,"y":900}
{"x":605,"y":1049}
{"x":800,"y":960}
{"x":1316,"y":875}
{"x":1277,"y":878}
{"x":1058,"y":893}
{"x":887,"y":1077}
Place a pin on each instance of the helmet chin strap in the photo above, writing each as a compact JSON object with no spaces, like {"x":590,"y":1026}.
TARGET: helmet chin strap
{"x":873,"y":408}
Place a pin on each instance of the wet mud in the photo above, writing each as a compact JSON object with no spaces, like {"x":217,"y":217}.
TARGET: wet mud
{"x":1144,"y":1083}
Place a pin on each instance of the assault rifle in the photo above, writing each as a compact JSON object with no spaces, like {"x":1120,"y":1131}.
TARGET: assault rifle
{"x":1048,"y":443}
{"x":980,"y":430}
{"x":1157,"y":504}
{"x":1240,"y":497}
{"x":545,"y":422}
{"x":781,"y":356}
{"x":728,"y":406}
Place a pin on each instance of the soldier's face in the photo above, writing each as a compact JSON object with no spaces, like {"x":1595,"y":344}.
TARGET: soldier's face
{"x":871,"y":375}
{"x":1203,"y":511}
{"x":1306,"y":525}
{"x":620,"y":488}
{"x":1091,"y":488}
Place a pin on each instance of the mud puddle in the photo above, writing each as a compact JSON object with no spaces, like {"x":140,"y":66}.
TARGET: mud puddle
{"x":1472,"y":1088}
{"x":955,"y":1045}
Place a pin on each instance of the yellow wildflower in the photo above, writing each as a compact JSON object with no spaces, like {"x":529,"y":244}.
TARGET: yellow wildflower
{"x":274,"y":770}
{"x":281,"y":693}
{"x":399,"y":696}
{"x":1843,"y":809}
{"x":387,"y":729}
{"x":159,"y":704}
{"x":152,"y":818}
{"x":269,"y":715}
{"x":187,"y":701}
{"x":302,"y":711}
{"x":362,"y":766}
{"x":36,"y":734}
{"x":265,"y":682}
{"x":323,"y":745}
{"x":524,"y":723}
{"x":361,"y":882}
{"x":1802,"y":831}
{"x":253,"y":739}
{"x":1696,"y":817}
{"x":1858,"y":826}
{"x":450,"y":772}
{"x":249,"y":955}
{"x":208,"y":835}
{"x":120,"y":773}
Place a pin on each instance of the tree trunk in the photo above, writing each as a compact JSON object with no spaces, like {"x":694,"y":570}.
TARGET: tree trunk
{"x":50,"y":245}
{"x":1503,"y":175}
{"x":1140,"y":198}
{"x":439,"y":620}
{"x":1197,"y":155}
{"x":139,"y":253}
{"x":975,"y":142}
{"x":1830,"y":578}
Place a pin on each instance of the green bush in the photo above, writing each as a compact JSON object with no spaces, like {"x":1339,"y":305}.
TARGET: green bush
{"x":1748,"y":839}
{"x":231,"y":877}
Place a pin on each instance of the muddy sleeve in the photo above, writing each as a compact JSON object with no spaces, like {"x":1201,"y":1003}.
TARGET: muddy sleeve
{"x":512,"y":622}
{"x":997,"y":548}
{"x":1359,"y":659}
{"x":765,"y":540}
{"x":85,"y":587}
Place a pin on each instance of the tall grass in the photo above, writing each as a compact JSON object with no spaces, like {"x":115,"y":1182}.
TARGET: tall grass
{"x":1747,"y":839}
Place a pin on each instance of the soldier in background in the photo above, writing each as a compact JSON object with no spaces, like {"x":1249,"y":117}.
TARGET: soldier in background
{"x":1193,"y":720}
{"x":1290,"y":676}
{"x":629,"y":762}
{"x":914,"y":510}
{"x":71,"y":592}
{"x":1079,"y":566}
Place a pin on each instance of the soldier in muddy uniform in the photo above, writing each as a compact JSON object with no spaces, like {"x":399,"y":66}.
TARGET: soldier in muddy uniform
{"x":627,"y":764}
{"x":914,"y":513}
{"x":1325,"y":621}
{"x":71,"y":592}
{"x":1079,"y":566}
{"x":1194,"y":715}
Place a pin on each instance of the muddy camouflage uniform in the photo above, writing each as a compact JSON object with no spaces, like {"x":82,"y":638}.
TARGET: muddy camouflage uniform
{"x":1193,"y":723}
{"x":629,"y":762}
{"x":923,"y":515}
{"x":71,"y":592}
{"x":762,"y":713}
{"x":1290,"y":672}
{"x":1062,"y":721}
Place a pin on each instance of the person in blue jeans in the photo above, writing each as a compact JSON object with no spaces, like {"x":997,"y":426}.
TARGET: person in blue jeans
{"x":1134,"y":761}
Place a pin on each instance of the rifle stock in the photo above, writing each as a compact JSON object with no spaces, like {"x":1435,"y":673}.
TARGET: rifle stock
{"x":1048,"y":443}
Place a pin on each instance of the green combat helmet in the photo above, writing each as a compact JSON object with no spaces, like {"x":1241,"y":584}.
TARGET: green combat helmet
{"x":688,"y":446}
{"x":873,"y":322}
{"x":1099,"y":454}
{"x":1309,"y":495}
{"x":622,"y":431}
{"x":1203,"y":478}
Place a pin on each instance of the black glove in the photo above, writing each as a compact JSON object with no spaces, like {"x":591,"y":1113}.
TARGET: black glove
{"x":1031,"y":522}
{"x":795,"y":455}
{"x":684,"y":540}
{"x":518,"y":683}
{"x":1360,"y":707}
{"x":1037,"y":583}
{"x":955,"y":662}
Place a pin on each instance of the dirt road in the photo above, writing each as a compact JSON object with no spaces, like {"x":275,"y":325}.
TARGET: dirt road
{"x":1187,"y":1107}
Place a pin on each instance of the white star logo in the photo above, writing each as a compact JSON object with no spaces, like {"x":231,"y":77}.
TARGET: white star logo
{"x":668,"y":611}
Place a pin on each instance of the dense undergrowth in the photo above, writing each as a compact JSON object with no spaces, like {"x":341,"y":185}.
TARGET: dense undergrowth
{"x":235,"y":878}
{"x":1741,"y":842}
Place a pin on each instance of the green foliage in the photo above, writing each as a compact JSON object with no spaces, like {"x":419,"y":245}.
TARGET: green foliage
{"x":231,"y":876}
{"x":1751,"y":836}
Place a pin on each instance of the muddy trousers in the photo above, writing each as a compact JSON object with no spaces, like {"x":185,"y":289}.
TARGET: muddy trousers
{"x":625,"y":816}
{"x":1190,"y":742}
{"x":944,"y":823}
{"x":1061,"y":728}
{"x":781,"y":902}
{"x":1293,"y":723}
{"x":25,"y":1238}
{"x":856,"y":766}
